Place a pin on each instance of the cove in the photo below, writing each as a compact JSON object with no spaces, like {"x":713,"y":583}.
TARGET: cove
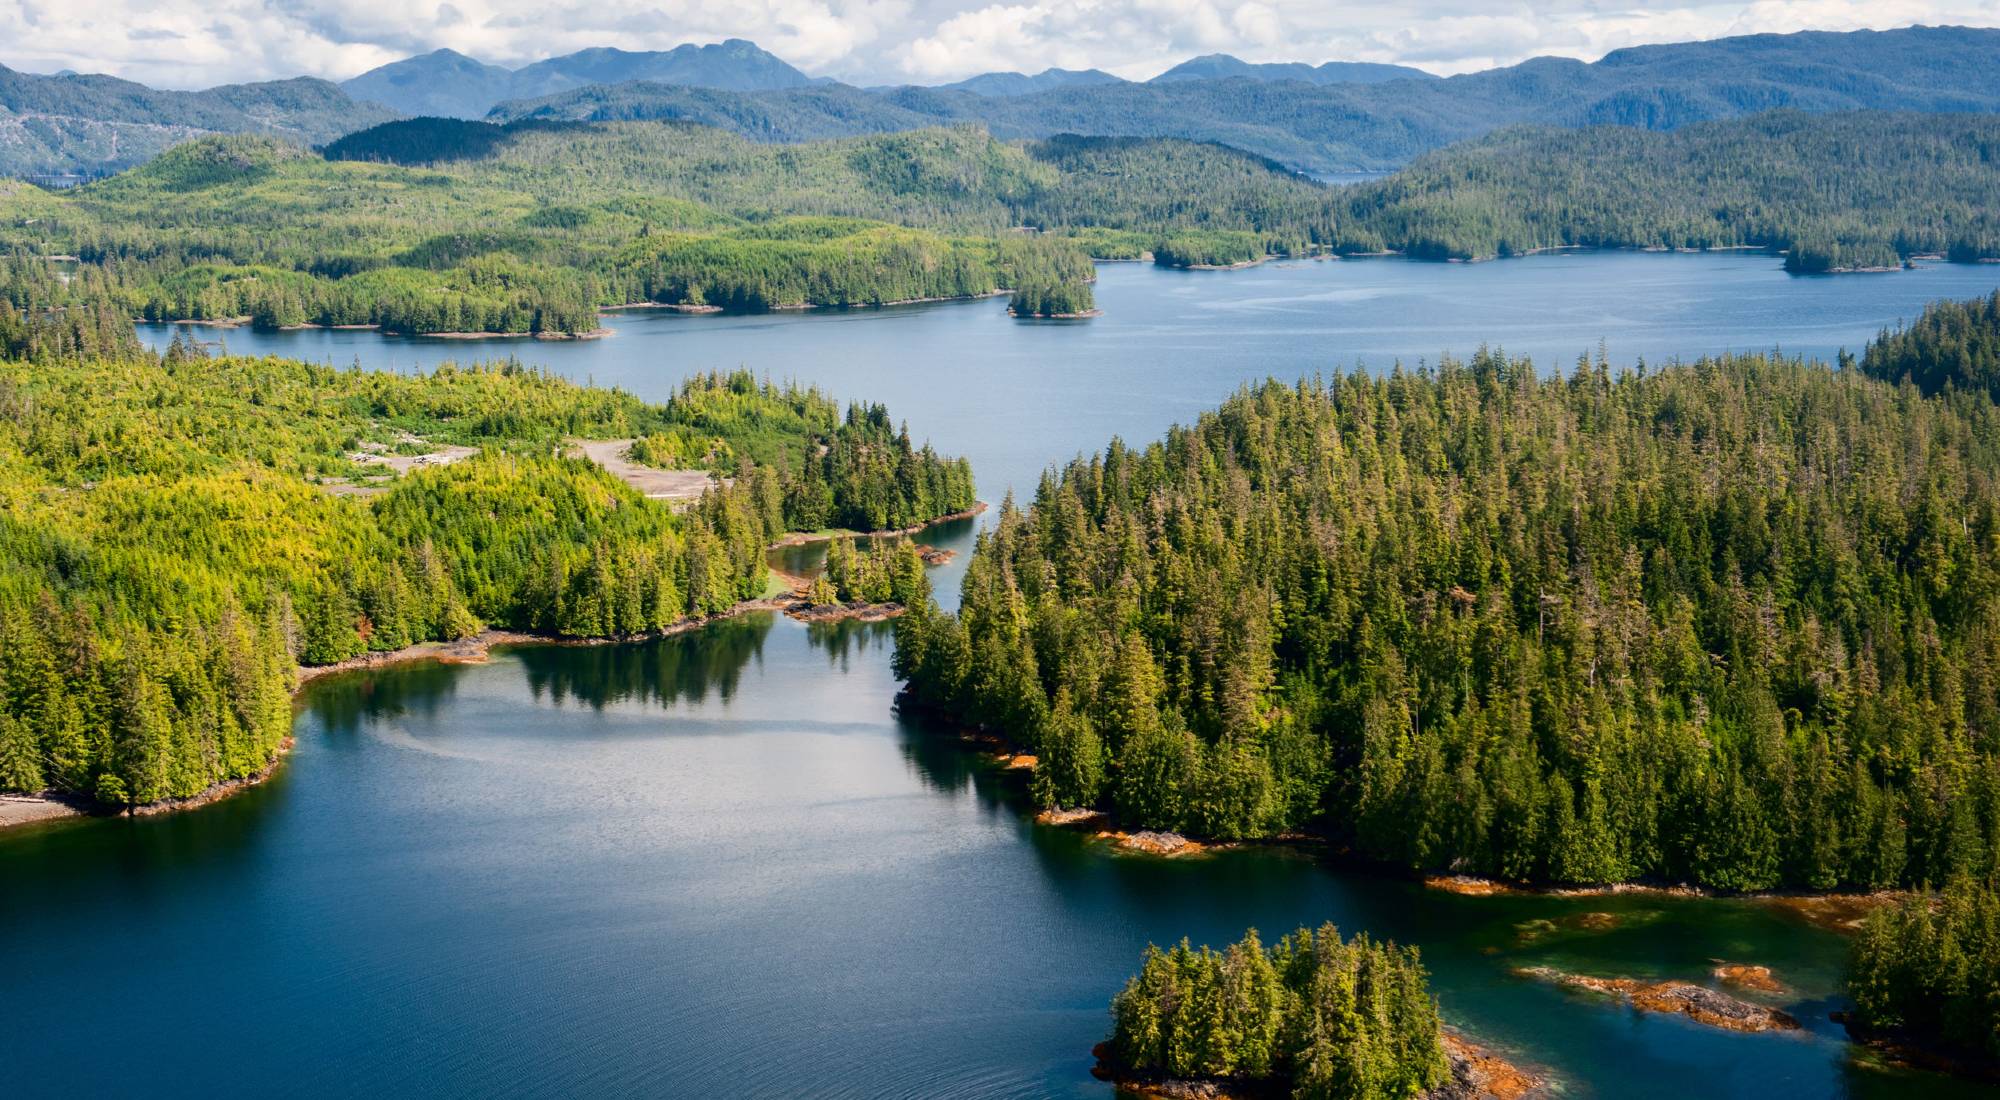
{"x":720,"y":864}
{"x":717,"y":864}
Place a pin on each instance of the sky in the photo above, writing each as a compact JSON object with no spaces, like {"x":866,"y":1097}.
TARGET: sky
{"x":199,"y":43}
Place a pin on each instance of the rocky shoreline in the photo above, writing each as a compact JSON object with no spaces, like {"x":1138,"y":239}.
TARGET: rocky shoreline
{"x":1834,"y":912}
{"x":1477,"y":1073}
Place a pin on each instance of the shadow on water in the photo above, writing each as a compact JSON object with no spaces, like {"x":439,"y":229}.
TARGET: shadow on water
{"x":684,"y":668}
{"x":808,"y":558}
{"x":844,"y":640}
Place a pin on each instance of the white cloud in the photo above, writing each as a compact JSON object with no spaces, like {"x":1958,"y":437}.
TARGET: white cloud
{"x":194,"y":43}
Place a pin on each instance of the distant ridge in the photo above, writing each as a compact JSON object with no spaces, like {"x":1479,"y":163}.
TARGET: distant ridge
{"x":70,"y":125}
{"x":449,"y":84}
{"x":1010,"y":84}
{"x":1221,"y":66}
{"x":1328,"y":118}
{"x":1340,"y":127}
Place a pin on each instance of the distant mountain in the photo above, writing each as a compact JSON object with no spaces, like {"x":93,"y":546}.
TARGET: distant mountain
{"x":1007,"y":84}
{"x":442,"y":83}
{"x":1221,"y":66}
{"x":94,"y":125}
{"x":449,"y":84}
{"x":1347,"y":126}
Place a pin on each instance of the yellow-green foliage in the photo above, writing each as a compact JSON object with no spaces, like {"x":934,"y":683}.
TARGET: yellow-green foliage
{"x":166,"y":556}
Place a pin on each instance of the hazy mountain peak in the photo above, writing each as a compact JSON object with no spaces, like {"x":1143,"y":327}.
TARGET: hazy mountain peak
{"x":1222,"y":66}
{"x":447,"y":83}
{"x":1012,"y":84}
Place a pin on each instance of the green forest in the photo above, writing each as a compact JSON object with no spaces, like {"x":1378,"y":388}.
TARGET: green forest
{"x":441,"y":226}
{"x":1928,"y":970}
{"x":1320,"y":1017}
{"x":1952,"y":346}
{"x":1835,"y":192}
{"x":1729,"y":622}
{"x":179,"y":532}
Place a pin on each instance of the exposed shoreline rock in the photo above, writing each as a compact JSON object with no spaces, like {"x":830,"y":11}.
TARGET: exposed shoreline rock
{"x":1834,"y":912}
{"x":1699,"y":1003}
{"x":1152,"y":843}
{"x":1066,"y":818}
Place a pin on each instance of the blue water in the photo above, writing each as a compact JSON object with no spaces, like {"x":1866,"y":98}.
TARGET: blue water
{"x":720,"y":865}
{"x":1017,"y":395}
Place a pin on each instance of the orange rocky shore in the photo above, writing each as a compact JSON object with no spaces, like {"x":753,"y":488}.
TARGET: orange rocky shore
{"x":1834,"y":912}
{"x":1477,"y":1073}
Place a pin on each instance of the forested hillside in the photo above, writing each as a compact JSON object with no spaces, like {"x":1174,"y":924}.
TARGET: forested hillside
{"x":178,"y":531}
{"x":1836,"y":192}
{"x":436,"y":225}
{"x":1727,"y":623}
{"x":534,"y":231}
{"x":1952,"y":346}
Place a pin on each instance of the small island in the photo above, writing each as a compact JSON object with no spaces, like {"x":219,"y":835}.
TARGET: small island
{"x":1316,"y":1017}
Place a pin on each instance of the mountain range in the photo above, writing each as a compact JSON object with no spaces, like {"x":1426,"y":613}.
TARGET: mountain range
{"x":1336,"y":127}
{"x":68,"y":124}
{"x":449,"y":84}
{"x":1334,"y":117}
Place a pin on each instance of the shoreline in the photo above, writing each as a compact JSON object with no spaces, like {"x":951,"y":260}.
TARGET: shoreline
{"x":19,"y":810}
{"x":1836,"y":911}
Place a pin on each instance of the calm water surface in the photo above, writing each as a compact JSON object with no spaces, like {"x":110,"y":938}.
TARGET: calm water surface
{"x":1017,"y":395}
{"x":720,"y":865}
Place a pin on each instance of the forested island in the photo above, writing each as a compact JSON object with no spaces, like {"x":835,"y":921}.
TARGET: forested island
{"x":436,"y":226}
{"x":1315,"y":1017}
{"x":1724,"y":623}
{"x":179,"y":532}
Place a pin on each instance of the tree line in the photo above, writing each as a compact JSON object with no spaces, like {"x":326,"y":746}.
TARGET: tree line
{"x":1928,"y":969}
{"x":1729,"y":622}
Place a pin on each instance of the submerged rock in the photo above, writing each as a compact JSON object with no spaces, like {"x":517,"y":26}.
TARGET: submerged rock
{"x":1699,"y":1003}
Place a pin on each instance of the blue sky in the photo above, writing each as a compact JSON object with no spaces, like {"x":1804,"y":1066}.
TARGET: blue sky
{"x":196,"y":43}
